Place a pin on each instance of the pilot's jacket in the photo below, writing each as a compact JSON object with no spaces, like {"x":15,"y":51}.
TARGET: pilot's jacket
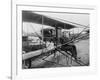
{"x":67,"y":47}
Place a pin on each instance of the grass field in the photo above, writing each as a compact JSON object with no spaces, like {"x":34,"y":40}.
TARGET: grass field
{"x":83,"y":50}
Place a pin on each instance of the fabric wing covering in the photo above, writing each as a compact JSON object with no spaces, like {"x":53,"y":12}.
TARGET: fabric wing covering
{"x":29,"y":16}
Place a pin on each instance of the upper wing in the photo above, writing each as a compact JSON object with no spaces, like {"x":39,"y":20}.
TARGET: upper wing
{"x":29,"y":16}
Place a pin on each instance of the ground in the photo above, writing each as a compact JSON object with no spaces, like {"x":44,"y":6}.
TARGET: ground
{"x":82,"y":50}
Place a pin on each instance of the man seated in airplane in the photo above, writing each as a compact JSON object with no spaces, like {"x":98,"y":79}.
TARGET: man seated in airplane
{"x":68,"y":47}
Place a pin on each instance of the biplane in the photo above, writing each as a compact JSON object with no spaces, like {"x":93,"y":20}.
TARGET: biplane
{"x":32,"y":52}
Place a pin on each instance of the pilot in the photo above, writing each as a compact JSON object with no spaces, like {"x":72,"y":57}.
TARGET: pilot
{"x":68,"y":47}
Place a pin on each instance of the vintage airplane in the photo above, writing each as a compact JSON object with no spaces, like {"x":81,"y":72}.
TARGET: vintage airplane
{"x":47,"y":35}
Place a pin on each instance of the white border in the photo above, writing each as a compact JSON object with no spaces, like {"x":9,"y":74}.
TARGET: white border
{"x":52,"y":72}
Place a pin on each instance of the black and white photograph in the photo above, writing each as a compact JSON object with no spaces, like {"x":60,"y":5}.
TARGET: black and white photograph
{"x":55,"y":39}
{"x":50,"y":40}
